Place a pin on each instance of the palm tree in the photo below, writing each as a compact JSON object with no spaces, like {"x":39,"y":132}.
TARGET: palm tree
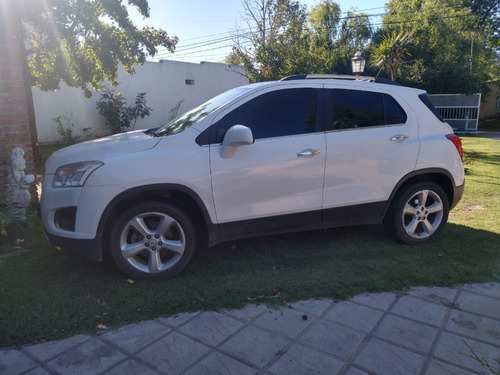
{"x":391,"y":50}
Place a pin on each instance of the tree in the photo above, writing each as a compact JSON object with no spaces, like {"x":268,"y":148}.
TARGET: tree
{"x":390,"y":51}
{"x":444,"y":32}
{"x":356,"y":31}
{"x":275,"y":47}
{"x":486,"y":15}
{"x":82,"y":42}
{"x":323,"y":20}
{"x":79,"y":42}
{"x":355,"y":34}
{"x":282,"y":44}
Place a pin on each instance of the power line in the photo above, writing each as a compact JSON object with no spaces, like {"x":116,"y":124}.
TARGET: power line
{"x":228,"y":36}
{"x":192,"y":49}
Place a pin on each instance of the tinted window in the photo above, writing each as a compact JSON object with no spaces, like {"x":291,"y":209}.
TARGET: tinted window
{"x":360,"y":109}
{"x":425,"y":99}
{"x":394,"y":114}
{"x":356,"y":109}
{"x":274,"y":114}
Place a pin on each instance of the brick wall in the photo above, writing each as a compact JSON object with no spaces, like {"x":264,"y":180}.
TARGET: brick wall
{"x":14,"y":118}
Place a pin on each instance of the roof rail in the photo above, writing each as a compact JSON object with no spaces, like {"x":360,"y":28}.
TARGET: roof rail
{"x":297,"y":77}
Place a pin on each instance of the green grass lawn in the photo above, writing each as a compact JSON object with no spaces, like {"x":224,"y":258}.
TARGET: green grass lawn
{"x":46,"y":293}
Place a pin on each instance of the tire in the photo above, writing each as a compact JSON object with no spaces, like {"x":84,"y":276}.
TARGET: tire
{"x":418,"y":213}
{"x":153,"y":240}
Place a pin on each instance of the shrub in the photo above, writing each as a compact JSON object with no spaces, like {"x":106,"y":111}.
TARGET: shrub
{"x":120,"y":117}
{"x":65,"y":129}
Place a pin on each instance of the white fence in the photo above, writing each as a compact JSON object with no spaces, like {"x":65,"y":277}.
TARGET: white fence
{"x":460,"y":111}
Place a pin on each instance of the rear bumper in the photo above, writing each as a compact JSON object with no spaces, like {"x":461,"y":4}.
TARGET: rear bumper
{"x":457,"y":195}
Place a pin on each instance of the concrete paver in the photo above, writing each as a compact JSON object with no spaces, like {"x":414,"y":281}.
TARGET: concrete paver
{"x":46,"y":351}
{"x":221,"y":327}
{"x":421,"y":311}
{"x":220,"y":364}
{"x":356,"y":316}
{"x":407,"y":333}
{"x":381,"y":301}
{"x":286,"y":322}
{"x":134,"y":337}
{"x":333,"y":338}
{"x":91,"y":356}
{"x":426,"y":331}
{"x":437,"y":367}
{"x":486,"y":305}
{"x":380,"y":357}
{"x":439,"y":295}
{"x":255,"y":346}
{"x":299,"y":360}
{"x":173,"y":353}
{"x":14,"y":362}
{"x":456,"y":349}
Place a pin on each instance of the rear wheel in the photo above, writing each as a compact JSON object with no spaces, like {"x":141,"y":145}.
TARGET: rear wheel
{"x":153,"y":240}
{"x":418,"y":213}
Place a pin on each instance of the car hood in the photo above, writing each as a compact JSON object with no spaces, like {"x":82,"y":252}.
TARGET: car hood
{"x":101,"y":148}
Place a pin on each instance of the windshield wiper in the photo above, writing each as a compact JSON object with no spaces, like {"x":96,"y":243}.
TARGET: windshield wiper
{"x":152,"y":132}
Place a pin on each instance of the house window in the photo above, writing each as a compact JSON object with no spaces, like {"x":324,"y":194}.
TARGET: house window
{"x":498,"y":103}
{"x":190,"y":82}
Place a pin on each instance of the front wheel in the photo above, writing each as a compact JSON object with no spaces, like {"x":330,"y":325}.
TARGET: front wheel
{"x":418,"y":213}
{"x":153,"y":240}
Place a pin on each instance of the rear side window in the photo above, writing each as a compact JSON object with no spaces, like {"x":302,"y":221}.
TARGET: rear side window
{"x":274,"y":114}
{"x":394,"y":114}
{"x":425,"y":99}
{"x":361,"y":109}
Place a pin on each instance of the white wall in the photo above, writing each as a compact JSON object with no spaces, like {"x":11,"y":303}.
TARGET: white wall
{"x":165,"y":85}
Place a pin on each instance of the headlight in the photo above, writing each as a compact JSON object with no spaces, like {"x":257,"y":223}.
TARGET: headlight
{"x":73,"y":175}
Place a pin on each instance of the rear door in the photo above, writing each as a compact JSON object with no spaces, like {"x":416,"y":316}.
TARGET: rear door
{"x":372,"y":141}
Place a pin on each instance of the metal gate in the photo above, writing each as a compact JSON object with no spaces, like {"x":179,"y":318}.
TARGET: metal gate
{"x":460,"y":111}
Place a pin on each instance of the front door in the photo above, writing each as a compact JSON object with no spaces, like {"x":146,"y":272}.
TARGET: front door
{"x":282,"y":172}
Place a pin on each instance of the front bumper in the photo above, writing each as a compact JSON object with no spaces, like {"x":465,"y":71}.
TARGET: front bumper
{"x":75,"y":212}
{"x":91,"y":249}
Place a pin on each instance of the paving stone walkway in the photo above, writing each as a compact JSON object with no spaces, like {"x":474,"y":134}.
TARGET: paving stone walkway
{"x":428,"y":330}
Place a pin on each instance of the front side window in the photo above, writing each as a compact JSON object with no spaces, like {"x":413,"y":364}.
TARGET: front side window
{"x":274,"y":114}
{"x":361,"y":109}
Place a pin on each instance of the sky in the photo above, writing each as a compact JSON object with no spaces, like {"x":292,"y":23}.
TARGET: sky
{"x":205,"y":28}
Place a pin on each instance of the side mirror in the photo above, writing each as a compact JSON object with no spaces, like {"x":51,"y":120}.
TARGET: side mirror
{"x":237,"y":135}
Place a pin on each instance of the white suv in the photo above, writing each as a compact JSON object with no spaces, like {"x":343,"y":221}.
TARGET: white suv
{"x":302,"y":153}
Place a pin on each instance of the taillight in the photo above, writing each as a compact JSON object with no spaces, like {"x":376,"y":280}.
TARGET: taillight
{"x":458,"y":144}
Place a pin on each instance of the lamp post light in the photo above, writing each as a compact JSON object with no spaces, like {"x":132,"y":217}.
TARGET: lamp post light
{"x":358,"y":64}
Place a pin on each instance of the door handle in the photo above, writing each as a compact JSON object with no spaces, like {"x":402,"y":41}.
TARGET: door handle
{"x":308,"y":153}
{"x":399,"y":138}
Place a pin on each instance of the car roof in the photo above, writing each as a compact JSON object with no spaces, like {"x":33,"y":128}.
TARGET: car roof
{"x":340,"y":77}
{"x":340,"y":81}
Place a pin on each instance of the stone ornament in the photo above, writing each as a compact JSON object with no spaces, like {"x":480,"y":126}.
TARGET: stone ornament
{"x":18,"y":196}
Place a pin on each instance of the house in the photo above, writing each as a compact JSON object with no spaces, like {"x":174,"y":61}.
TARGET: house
{"x":166,"y":83}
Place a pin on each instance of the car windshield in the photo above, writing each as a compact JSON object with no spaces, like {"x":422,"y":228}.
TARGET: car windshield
{"x":200,"y":112}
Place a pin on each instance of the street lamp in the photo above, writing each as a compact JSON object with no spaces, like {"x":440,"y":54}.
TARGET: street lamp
{"x":358,"y":64}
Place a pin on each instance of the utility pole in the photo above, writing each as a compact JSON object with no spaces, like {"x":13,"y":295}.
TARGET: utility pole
{"x":471,"y":58}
